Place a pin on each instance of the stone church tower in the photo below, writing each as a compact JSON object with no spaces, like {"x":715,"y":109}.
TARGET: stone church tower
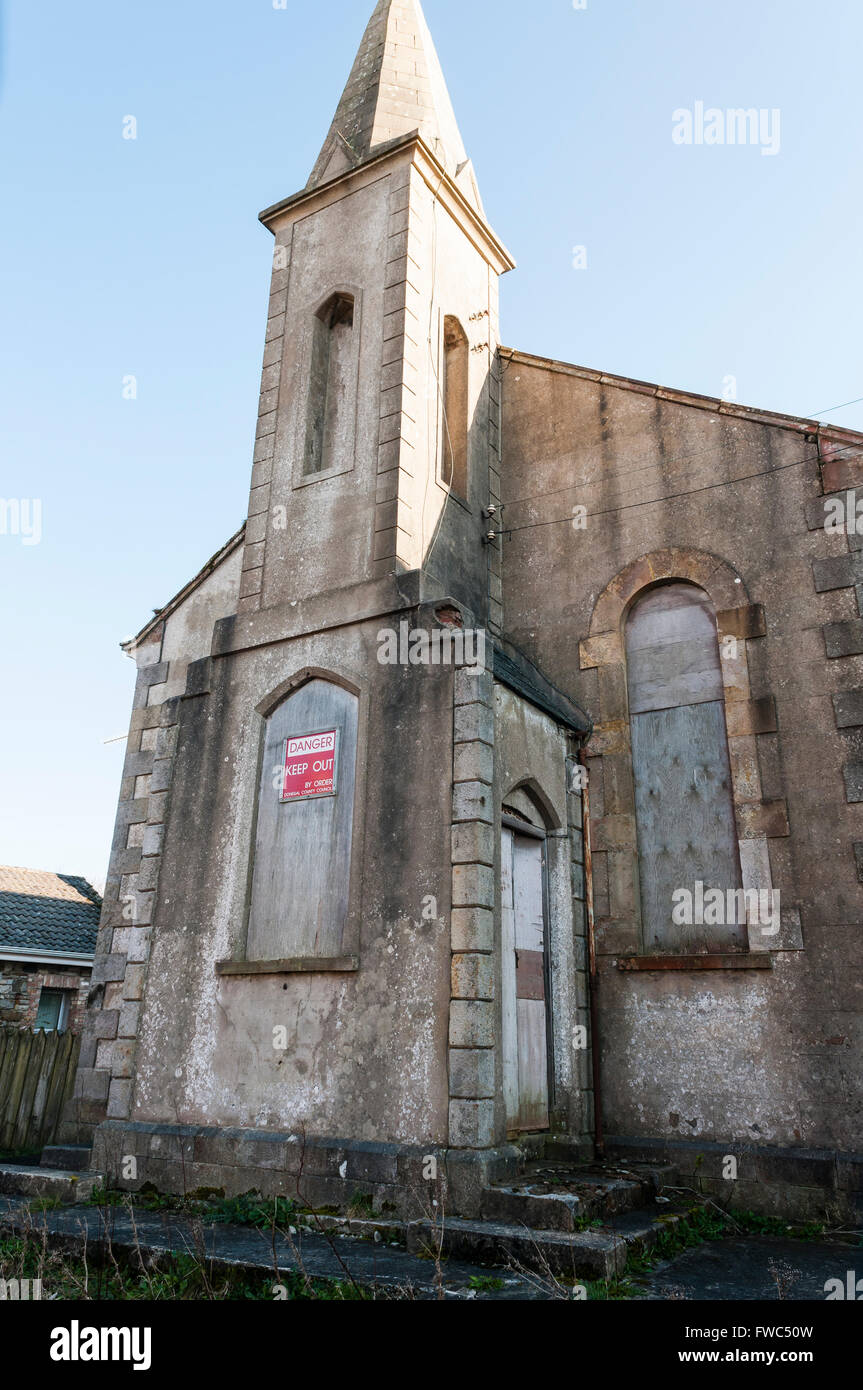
{"x":352,"y":918}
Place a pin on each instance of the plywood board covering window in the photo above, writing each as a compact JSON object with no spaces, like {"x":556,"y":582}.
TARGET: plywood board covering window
{"x":301,"y":873}
{"x":683,"y":791}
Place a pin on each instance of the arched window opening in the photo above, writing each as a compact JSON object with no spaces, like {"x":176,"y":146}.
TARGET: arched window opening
{"x":454,"y":469}
{"x":687,"y":838}
{"x":331,"y":370}
{"x":301,"y":872}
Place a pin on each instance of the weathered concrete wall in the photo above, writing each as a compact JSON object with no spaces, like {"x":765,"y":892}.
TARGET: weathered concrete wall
{"x":188,"y":630}
{"x":323,"y":539}
{"x":771,"y":1057}
{"x":365,"y":1053}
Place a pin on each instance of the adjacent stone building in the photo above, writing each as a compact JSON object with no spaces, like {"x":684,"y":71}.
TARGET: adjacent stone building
{"x":498,"y":782}
{"x":48,"y":926}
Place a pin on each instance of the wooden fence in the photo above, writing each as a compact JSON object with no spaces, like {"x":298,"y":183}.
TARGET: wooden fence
{"x":37,"y":1074}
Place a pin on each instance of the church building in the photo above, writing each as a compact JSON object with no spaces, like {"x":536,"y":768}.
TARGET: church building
{"x":494,"y":791}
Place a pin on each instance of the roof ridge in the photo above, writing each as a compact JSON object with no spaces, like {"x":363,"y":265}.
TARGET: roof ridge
{"x":714,"y":403}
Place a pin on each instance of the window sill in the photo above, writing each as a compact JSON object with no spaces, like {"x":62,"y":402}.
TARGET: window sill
{"x":294,"y":965}
{"x":741,"y":960}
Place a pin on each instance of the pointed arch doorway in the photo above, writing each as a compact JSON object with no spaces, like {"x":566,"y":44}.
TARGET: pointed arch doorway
{"x":525,"y":1028}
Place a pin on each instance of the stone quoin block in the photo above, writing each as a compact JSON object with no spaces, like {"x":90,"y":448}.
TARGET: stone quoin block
{"x":743,"y":623}
{"x":129,"y":1015}
{"x":473,"y":843}
{"x":92,"y":1084}
{"x":744,"y":717}
{"x":606,"y":649}
{"x":853,"y":774}
{"x":762,"y":819}
{"x":132,"y":812}
{"x":472,"y":687}
{"x":138,"y":948}
{"x":119,"y":1098}
{"x":148,"y":875}
{"x":152,"y":841}
{"x":126,"y":861}
{"x":133,"y":981}
{"x":471,"y":1023}
{"x":472,"y":929}
{"x":473,"y":762}
{"x":471,"y":1124}
{"x":160,"y":778}
{"x":108,"y":968}
{"x":472,"y":801}
{"x":577,"y":879}
{"x":843,"y":639}
{"x":473,"y":723}
{"x":138,"y":764}
{"x":472,"y":886}
{"x":101,"y":1023}
{"x":471,"y":1073}
{"x":848,"y":709}
{"x":472,"y":977}
{"x":838,"y":572}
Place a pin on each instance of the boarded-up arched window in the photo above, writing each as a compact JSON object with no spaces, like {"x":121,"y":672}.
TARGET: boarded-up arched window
{"x":332,"y":370}
{"x":455,"y":407}
{"x":685,"y":815}
{"x":301,"y":875}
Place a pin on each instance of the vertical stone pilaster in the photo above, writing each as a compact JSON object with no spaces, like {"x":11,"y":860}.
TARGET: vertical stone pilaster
{"x":495,"y":559}
{"x":251,"y":583}
{"x":400,"y":376}
{"x":472,"y":942}
{"x":103,"y":1083}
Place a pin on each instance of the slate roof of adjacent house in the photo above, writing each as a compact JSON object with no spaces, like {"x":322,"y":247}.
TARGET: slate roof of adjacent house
{"x":46,"y":913}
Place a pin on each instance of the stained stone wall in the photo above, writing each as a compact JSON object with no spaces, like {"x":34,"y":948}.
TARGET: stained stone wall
{"x":680,"y":487}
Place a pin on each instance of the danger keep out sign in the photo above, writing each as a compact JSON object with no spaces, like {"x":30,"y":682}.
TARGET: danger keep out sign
{"x":311,"y":766}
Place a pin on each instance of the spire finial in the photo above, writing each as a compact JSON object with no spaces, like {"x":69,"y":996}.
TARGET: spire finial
{"x":396,"y":86}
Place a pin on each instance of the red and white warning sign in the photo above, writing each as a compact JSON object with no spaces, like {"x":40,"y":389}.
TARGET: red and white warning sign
{"x":311,"y":766}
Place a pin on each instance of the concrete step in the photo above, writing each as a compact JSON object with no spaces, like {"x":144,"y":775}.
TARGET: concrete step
{"x":62,"y":1185}
{"x":566,"y":1197}
{"x":642,"y":1229}
{"x":573,"y":1255}
{"x":74,"y":1158}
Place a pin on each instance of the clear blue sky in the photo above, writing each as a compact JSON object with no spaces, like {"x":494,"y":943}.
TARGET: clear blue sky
{"x":145,"y":257}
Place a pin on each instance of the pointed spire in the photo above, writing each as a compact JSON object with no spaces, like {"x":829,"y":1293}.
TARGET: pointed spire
{"x":396,"y":86}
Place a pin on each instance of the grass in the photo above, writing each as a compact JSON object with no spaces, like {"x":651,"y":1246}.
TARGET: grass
{"x":176,"y":1277}
{"x":361,"y":1206}
{"x":756,"y":1224}
{"x":587,"y":1223}
{"x":484,"y":1283}
{"x":248,"y":1210}
{"x":700,"y":1224}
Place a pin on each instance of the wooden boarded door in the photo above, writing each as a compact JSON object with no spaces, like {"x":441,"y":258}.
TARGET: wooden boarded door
{"x":525,"y":1023}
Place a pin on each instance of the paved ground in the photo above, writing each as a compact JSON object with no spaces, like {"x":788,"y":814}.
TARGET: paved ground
{"x":752,"y":1268}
